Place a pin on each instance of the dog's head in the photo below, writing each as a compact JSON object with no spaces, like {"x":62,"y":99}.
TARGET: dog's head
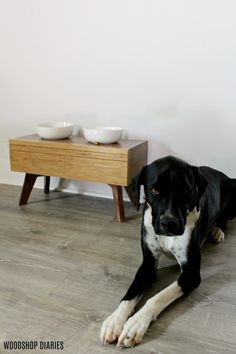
{"x":172,"y":188}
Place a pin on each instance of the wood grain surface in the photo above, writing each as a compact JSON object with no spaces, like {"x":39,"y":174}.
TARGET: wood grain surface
{"x":75,"y":158}
{"x":65,"y":264}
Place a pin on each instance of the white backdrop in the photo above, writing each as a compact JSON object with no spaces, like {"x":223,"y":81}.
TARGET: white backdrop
{"x":163,"y":70}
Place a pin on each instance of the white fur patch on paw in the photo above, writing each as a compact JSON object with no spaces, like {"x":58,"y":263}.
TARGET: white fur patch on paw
{"x":134,"y":329}
{"x":113,"y":325}
{"x":218,"y":235}
{"x":111,"y":328}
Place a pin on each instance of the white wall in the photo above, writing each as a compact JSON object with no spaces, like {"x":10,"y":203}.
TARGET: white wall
{"x":163,"y":70}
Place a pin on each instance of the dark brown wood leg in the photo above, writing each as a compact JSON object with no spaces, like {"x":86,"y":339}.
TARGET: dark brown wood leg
{"x":27,"y":188}
{"x":46,"y":184}
{"x":131,"y":195}
{"x":119,"y":205}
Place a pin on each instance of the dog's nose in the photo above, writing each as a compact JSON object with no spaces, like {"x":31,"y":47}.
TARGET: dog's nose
{"x":169,"y":224}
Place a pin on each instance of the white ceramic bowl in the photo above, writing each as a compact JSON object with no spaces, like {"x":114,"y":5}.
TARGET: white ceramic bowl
{"x":103,"y":135}
{"x":55,"y":130}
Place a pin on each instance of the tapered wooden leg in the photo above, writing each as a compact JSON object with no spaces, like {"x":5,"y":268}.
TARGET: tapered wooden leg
{"x":46,"y":184}
{"x":119,"y":204}
{"x":131,"y":195}
{"x":27,"y":188}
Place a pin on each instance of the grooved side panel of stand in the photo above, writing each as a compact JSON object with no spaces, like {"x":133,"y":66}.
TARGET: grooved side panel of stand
{"x":71,"y":167}
{"x":96,"y":170}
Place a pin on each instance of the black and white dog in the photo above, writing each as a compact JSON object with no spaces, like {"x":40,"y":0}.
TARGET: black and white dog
{"x":183,"y":205}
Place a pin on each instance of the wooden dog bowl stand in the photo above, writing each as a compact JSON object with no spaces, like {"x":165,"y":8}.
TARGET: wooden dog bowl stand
{"x":75,"y":158}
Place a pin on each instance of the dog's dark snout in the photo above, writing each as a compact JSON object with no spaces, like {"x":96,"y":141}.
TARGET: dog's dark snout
{"x":169,"y":223}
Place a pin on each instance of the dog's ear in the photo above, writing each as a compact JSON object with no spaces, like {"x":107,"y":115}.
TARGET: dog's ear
{"x":200,"y":183}
{"x":136,"y":184}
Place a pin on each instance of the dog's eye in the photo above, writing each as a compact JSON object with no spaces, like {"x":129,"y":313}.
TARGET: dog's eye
{"x":155,"y":191}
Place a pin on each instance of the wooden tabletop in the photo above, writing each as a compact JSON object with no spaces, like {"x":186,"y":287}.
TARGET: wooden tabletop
{"x":78,"y":142}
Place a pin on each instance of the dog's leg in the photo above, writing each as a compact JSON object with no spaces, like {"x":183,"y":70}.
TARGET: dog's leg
{"x":113,"y":325}
{"x":137,"y":325}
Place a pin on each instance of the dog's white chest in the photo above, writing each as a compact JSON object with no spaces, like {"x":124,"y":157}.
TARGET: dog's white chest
{"x":172,"y":246}
{"x":175,"y":246}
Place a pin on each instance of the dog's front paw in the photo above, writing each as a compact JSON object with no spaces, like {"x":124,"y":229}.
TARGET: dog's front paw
{"x":134,"y":329}
{"x":112,"y":327}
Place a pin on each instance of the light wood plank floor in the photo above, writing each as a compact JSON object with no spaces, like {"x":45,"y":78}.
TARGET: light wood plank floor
{"x":65,"y":263}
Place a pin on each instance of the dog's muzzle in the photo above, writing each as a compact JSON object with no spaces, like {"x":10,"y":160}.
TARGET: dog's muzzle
{"x":170,"y":226}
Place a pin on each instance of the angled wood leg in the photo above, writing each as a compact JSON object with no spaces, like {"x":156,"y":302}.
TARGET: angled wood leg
{"x":46,"y":184}
{"x":131,"y":195}
{"x":119,"y":205}
{"x":27,"y":188}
